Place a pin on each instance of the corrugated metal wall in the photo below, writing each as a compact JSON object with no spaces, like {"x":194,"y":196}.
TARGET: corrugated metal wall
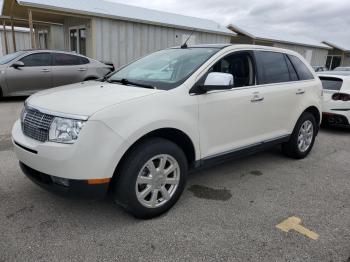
{"x":319,"y":55}
{"x":346,"y":61}
{"x":22,"y":41}
{"x":122,"y":41}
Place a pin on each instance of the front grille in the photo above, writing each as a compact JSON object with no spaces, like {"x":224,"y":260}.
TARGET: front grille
{"x":36,"y":125}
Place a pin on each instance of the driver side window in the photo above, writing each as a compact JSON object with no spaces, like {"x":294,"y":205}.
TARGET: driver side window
{"x":240,"y":65}
{"x":39,"y":59}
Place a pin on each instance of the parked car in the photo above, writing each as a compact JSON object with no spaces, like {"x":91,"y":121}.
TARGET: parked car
{"x":138,"y":133}
{"x":342,"y":68}
{"x":26,"y":72}
{"x":336,"y":100}
{"x":320,"y":68}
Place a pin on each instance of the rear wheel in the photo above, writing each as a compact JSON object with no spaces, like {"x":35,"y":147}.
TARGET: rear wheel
{"x":151,"y":178}
{"x":1,"y":94}
{"x":302,"y":138}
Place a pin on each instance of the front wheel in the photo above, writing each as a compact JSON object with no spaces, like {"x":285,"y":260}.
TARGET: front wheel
{"x":151,"y":179}
{"x":302,"y":138}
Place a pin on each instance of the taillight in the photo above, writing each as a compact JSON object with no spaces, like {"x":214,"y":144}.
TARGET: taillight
{"x":341,"y":97}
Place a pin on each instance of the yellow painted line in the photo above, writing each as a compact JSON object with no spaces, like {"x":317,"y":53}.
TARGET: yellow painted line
{"x":294,"y":223}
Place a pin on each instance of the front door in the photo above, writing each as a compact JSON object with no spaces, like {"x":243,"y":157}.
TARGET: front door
{"x":77,"y":39}
{"x":231,"y":119}
{"x":34,"y":76}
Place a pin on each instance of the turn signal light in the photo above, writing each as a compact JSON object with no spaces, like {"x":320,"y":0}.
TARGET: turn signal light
{"x":98,"y":181}
{"x":341,"y":97}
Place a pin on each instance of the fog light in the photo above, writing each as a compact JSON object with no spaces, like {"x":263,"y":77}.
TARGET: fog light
{"x":60,"y":181}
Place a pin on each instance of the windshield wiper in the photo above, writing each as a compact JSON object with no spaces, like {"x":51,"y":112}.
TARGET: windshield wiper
{"x":126,"y":82}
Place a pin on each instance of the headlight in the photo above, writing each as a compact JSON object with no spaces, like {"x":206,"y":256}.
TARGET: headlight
{"x":64,"y":130}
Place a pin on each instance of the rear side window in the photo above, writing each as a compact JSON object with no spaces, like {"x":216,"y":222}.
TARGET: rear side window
{"x":303,"y":72}
{"x":39,"y":59}
{"x":272,"y":67}
{"x":60,"y":59}
{"x":83,"y":60}
{"x":331,"y":83}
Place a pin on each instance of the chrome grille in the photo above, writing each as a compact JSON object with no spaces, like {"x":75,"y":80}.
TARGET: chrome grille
{"x":36,"y":125}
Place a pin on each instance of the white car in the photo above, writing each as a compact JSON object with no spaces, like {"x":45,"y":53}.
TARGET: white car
{"x":336,"y":99}
{"x":138,"y":133}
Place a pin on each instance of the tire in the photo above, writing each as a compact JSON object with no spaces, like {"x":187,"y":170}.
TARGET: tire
{"x":129,"y":186}
{"x":1,"y":94}
{"x":294,"y":147}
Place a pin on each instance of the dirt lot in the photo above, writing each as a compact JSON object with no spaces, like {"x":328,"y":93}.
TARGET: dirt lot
{"x":227,"y":213}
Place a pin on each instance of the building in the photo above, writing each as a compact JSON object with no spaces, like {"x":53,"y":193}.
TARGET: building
{"x":313,"y":51}
{"x":22,"y":37}
{"x":106,"y":30}
{"x":338,"y":56}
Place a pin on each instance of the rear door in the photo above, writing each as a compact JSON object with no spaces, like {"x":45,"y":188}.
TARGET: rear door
{"x":277,"y":85}
{"x":67,"y":69}
{"x":36,"y":74}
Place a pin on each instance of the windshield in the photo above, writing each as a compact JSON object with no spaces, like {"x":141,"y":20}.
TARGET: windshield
{"x":164,"y":69}
{"x":10,"y":57}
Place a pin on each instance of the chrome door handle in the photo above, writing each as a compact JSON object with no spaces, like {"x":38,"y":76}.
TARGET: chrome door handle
{"x":300,"y":92}
{"x":46,"y":70}
{"x":82,"y":69}
{"x":257,"y":98}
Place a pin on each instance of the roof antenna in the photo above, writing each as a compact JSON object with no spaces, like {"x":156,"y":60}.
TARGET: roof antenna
{"x":184,"y":45}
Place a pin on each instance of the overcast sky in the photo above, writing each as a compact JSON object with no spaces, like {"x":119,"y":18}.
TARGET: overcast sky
{"x":318,"y":19}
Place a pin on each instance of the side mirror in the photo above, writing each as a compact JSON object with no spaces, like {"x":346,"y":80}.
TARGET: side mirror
{"x":17,"y":64}
{"x":219,"y":81}
{"x":214,"y":81}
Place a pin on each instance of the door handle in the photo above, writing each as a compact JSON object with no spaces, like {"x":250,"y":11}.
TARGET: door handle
{"x":82,"y":69}
{"x":257,"y":98}
{"x":46,"y":70}
{"x":300,"y":92}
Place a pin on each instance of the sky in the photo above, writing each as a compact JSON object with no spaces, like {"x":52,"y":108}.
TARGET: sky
{"x":318,"y":19}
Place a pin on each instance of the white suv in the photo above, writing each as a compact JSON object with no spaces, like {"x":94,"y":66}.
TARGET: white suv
{"x":137,"y":132}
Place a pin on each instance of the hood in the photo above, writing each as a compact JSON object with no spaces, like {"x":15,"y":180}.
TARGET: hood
{"x":86,"y":98}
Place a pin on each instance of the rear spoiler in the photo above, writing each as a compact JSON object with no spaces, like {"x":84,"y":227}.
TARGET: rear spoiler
{"x":110,"y":64}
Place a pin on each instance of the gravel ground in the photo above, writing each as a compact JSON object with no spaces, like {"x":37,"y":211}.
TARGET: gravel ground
{"x":227,"y":213}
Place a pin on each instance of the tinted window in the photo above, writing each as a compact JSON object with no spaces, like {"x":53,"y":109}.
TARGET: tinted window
{"x":272,"y":67}
{"x":240,"y":65}
{"x":39,"y":59}
{"x":293,"y":74}
{"x":61,"y":59}
{"x":331,"y":83}
{"x":303,"y":72}
{"x":83,"y":60}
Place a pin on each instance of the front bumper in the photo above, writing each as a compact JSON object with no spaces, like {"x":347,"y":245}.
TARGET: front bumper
{"x":73,"y":188}
{"x":93,"y":156}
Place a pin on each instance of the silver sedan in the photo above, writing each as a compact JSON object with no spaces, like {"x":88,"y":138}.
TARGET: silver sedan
{"x":26,"y":72}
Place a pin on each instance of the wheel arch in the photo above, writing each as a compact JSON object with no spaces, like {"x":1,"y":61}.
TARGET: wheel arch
{"x":174,"y":135}
{"x":315,"y":112}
